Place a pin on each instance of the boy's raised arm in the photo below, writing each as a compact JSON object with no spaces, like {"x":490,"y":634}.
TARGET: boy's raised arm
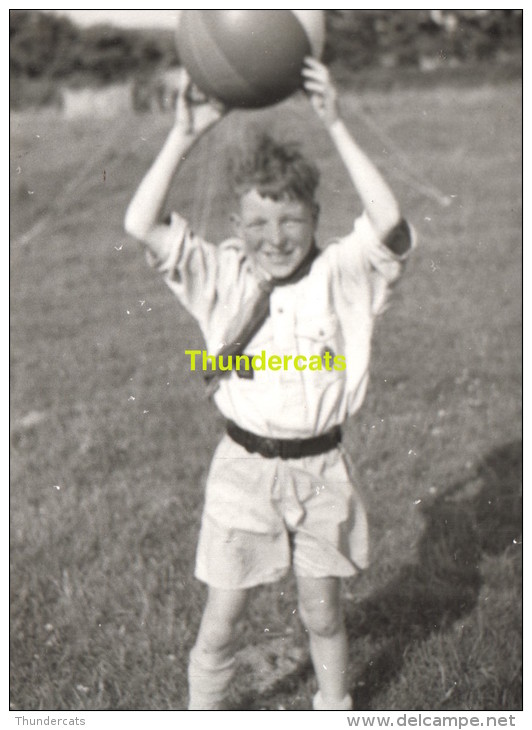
{"x":377,"y":198}
{"x":194,"y":115}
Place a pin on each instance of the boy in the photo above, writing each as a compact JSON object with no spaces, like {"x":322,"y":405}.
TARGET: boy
{"x":278,"y":492}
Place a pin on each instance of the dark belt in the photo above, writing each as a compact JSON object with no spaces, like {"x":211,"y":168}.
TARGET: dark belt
{"x":284,"y":448}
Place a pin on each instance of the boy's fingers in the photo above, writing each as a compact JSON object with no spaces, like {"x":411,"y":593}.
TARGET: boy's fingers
{"x":184,"y":81}
{"x":318,"y":70}
{"x":311,"y":61}
{"x":194,"y":95}
{"x":315,"y":81}
{"x":312,"y":65}
{"x":311,"y":75}
{"x":314,"y":87}
{"x":220,"y":107}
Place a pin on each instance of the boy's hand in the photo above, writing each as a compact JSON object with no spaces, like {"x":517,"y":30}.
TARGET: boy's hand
{"x":322,"y":92}
{"x":195,"y":112}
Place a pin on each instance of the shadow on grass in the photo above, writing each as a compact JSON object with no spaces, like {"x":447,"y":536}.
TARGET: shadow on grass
{"x":480,"y":514}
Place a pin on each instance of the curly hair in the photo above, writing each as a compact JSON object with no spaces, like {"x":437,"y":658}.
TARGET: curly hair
{"x":276,"y":170}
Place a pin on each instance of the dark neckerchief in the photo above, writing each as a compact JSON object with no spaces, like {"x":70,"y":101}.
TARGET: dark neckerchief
{"x":302,"y":269}
{"x":260,"y":310}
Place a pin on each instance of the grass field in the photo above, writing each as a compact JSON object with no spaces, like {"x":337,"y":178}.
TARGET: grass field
{"x":111,"y":436}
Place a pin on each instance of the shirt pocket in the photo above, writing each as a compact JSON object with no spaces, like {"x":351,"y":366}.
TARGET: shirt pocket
{"x":320,"y":337}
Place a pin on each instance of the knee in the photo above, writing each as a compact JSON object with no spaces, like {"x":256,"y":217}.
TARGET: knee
{"x":216,"y":639}
{"x":322,"y":619}
{"x":218,"y":627}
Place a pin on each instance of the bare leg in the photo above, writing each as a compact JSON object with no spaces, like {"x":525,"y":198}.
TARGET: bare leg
{"x":212,"y":658}
{"x":320,"y":610}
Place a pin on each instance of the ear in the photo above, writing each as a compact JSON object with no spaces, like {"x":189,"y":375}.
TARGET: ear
{"x":236,"y":223}
{"x":315,"y":213}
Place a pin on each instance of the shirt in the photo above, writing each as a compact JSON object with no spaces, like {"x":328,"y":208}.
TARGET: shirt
{"x":332,"y":309}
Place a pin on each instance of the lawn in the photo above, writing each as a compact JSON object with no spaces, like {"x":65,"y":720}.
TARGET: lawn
{"x":111,"y":435}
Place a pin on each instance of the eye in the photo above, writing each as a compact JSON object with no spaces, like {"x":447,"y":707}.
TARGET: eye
{"x":293,"y":221}
{"x":255,"y":225}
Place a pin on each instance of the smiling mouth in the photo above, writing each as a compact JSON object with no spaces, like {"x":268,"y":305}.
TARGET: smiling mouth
{"x":279,"y":255}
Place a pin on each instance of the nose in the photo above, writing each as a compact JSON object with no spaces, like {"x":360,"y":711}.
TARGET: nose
{"x":276,"y":235}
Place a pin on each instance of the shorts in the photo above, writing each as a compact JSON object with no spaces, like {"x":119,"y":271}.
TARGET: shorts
{"x":263,"y":516}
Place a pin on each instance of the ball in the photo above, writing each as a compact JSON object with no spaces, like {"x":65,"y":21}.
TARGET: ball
{"x":248,"y":58}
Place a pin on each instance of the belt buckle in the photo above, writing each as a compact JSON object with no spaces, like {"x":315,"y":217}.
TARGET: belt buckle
{"x":269,"y":447}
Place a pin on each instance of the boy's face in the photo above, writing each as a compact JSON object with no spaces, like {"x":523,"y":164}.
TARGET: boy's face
{"x":278,"y":234}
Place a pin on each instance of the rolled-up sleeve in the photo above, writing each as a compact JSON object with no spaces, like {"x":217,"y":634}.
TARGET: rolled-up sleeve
{"x":363,"y":256}
{"x":189,"y":267}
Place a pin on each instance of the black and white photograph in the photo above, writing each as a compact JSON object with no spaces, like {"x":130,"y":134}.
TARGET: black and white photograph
{"x":266,"y":365}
